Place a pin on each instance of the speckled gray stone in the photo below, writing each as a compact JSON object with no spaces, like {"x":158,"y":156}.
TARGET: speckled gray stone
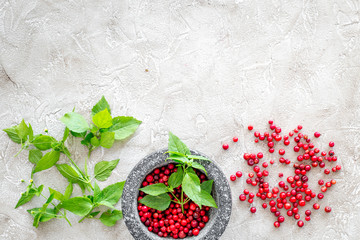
{"x":218,"y":219}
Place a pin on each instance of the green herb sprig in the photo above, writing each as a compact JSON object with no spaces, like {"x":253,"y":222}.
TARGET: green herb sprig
{"x":45,"y":151}
{"x":158,"y":194}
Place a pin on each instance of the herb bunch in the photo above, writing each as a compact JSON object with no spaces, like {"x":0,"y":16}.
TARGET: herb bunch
{"x":45,"y":151}
{"x":185,"y":177}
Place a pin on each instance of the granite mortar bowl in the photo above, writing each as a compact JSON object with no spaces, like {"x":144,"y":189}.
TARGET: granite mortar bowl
{"x":218,"y":217}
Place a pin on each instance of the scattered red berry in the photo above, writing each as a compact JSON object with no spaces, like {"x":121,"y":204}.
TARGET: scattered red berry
{"x":235,"y":139}
{"x":232,"y":177}
{"x":225,"y":146}
{"x":238,"y":174}
{"x":253,"y":209}
{"x":331,"y":144}
{"x":327,"y":209}
{"x":317,"y":134}
{"x":250,"y":127}
{"x":300,"y":223}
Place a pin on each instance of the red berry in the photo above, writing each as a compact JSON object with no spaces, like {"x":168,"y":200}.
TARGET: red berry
{"x":250,"y":127}
{"x":317,"y":134}
{"x":260,"y":155}
{"x":300,"y":223}
{"x":327,"y":209}
{"x":232,"y":177}
{"x":242,"y":197}
{"x":235,"y":139}
{"x":238,"y":174}
{"x":316,"y":206}
{"x":281,"y":151}
{"x":195,"y":231}
{"x":264,"y":205}
{"x":253,"y":209}
{"x":276,"y":224}
{"x":331,"y":144}
{"x":225,"y":146}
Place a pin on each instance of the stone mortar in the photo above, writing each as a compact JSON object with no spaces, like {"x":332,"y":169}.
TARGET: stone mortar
{"x":218,"y":218}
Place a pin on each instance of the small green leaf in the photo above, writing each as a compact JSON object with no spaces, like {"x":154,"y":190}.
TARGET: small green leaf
{"x":176,"y":145}
{"x":160,"y":202}
{"x":103,"y":169}
{"x":11,"y":132}
{"x":191,"y":186}
{"x":178,"y":158}
{"x":75,"y":122}
{"x":43,"y":142}
{"x":97,"y":192}
{"x":112,"y":193}
{"x":87,"y":139}
{"x":207,"y":199}
{"x":207,"y":186}
{"x":68,"y":172}
{"x":176,"y":178}
{"x":37,"y":219}
{"x":94,"y":214}
{"x":57,"y":195}
{"x":31,"y":133}
{"x":45,"y":216}
{"x":28,"y":195}
{"x":102,"y":119}
{"x":35,"y":155}
{"x":124,"y":127}
{"x":78,"y":205}
{"x":110,"y":218}
{"x":107,"y":139}
{"x":100,"y":106}
{"x":68,"y":191}
{"x":198,"y":166}
{"x":22,"y":130}
{"x":95,"y":141}
{"x":47,"y":161}
{"x":66,"y":134}
{"x":79,"y":135}
{"x":107,"y":204}
{"x":198,"y":157}
{"x":155,"y":189}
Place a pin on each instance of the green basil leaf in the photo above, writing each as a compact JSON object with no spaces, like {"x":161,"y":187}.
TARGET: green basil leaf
{"x":107,"y":204}
{"x":176,"y":178}
{"x":68,"y":191}
{"x":100,"y":106}
{"x":43,"y":142}
{"x":198,"y":166}
{"x":57,"y":195}
{"x":198,"y":157}
{"x":37,"y":219}
{"x":78,"y":205}
{"x":124,"y":127}
{"x":22,"y":130}
{"x":112,"y":193}
{"x":47,"y":161}
{"x":31,"y":133}
{"x":103,"y":119}
{"x":95,"y":141}
{"x":93,"y":214}
{"x":160,"y":202}
{"x":207,"y":186}
{"x":110,"y":218}
{"x":103,"y":169}
{"x":176,"y":145}
{"x":87,"y":140}
{"x":11,"y":132}
{"x":35,"y":155}
{"x":155,"y":189}
{"x":107,"y":139}
{"x":207,"y":199}
{"x":191,"y":186}
{"x":97,"y":192}
{"x":178,"y":158}
{"x":68,"y":172}
{"x":75,"y":122}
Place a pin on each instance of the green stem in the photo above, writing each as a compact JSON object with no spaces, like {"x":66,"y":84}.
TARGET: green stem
{"x":178,"y":201}
{"x":182,"y":202}
{"x":22,"y":148}
{"x":63,"y":215}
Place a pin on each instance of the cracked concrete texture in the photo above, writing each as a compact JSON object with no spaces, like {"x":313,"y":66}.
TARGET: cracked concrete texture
{"x":213,"y":67}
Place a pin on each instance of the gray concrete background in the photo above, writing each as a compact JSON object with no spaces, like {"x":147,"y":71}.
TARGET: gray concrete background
{"x":213,"y":68}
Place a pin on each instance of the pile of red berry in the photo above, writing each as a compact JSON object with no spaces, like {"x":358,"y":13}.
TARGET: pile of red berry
{"x":295,"y":193}
{"x":172,"y":222}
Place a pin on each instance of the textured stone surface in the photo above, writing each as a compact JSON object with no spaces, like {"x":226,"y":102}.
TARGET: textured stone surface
{"x":219,"y":217}
{"x":213,"y":68}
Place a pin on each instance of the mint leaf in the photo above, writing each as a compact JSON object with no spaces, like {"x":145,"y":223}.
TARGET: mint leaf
{"x":35,"y":155}
{"x":68,"y":172}
{"x":43,"y":142}
{"x":176,"y":145}
{"x":107,"y":139}
{"x":78,"y":205}
{"x":11,"y":132}
{"x":198,"y":166}
{"x":95,"y":141}
{"x":112,"y":193}
{"x":100,"y":106}
{"x":47,"y":215}
{"x":22,"y":130}
{"x":57,"y":195}
{"x":176,"y":178}
{"x":97,"y":192}
{"x":198,"y":157}
{"x":102,"y":119}
{"x":191,"y":186}
{"x":155,"y":189}
{"x":75,"y":122}
{"x":103,"y":169}
{"x":47,"y":161}
{"x":109,"y":218}
{"x":160,"y":202}
{"x":178,"y":158}
{"x":207,"y":199}
{"x":124,"y":127}
{"x":207,"y":186}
